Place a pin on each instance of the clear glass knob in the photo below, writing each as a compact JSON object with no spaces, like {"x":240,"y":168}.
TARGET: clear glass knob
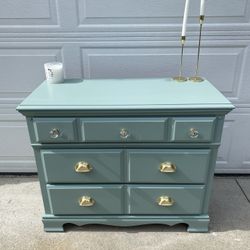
{"x":193,"y":133}
{"x":54,"y":133}
{"x":124,"y":134}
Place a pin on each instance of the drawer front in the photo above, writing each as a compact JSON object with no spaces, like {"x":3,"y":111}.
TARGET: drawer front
{"x":166,"y":199}
{"x":81,"y":200}
{"x":124,"y":130}
{"x":168,"y":166}
{"x":82,"y":165}
{"x":55,"y":130}
{"x":192,"y":129}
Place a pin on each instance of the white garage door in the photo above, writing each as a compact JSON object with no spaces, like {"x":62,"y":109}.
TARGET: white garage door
{"x":118,"y":38}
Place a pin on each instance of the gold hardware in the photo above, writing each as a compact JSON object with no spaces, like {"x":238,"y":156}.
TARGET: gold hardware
{"x":197,"y":78}
{"x":180,"y":77}
{"x":124,"y":134}
{"x":183,"y":39}
{"x":165,"y":201}
{"x":54,"y":133}
{"x":167,"y":167}
{"x":193,"y":133}
{"x":86,"y":201}
{"x":202,"y":18}
{"x":83,"y":167}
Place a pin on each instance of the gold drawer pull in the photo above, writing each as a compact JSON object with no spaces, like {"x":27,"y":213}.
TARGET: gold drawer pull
{"x":167,"y":167}
{"x":193,"y":133}
{"x":83,"y":167}
{"x":86,"y":201}
{"x":165,"y":201}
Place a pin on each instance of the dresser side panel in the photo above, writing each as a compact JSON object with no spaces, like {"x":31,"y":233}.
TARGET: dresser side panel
{"x":42,"y":179}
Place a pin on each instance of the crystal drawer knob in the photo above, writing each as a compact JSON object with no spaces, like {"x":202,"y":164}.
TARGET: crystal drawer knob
{"x":86,"y":201}
{"x":54,"y":133}
{"x":83,"y":167}
{"x":165,"y":201}
{"x":124,"y":134}
{"x":167,"y":167}
{"x":193,"y":133}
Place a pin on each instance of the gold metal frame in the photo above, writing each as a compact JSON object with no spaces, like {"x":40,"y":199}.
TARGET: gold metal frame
{"x":86,"y":201}
{"x":180,"y":77}
{"x":83,"y":167}
{"x":165,"y":201}
{"x":196,"y":77}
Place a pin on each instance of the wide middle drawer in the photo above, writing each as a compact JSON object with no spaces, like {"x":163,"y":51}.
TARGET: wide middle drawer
{"x":124,"y":129}
{"x":125,"y":165}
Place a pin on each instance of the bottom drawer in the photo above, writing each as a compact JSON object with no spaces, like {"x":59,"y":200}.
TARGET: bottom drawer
{"x":83,"y":200}
{"x":126,"y":199}
{"x":186,"y":199}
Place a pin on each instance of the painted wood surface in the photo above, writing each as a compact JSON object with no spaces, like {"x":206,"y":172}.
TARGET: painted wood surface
{"x":107,"y":165}
{"x":62,"y":186}
{"x":111,"y":94}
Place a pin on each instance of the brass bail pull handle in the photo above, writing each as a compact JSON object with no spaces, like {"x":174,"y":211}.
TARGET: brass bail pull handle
{"x":83,"y":167}
{"x":165,"y":201}
{"x":167,"y":167}
{"x":86,"y":201}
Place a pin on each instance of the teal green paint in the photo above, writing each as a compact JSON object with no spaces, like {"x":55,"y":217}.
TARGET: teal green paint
{"x":181,"y":128}
{"x":124,"y":112}
{"x":42,"y":180}
{"x":64,"y":199}
{"x":125,"y":94}
{"x":191,"y":165}
{"x":209,"y":180}
{"x":66,"y":127}
{"x":59,"y":165}
{"x":142,"y":165}
{"x":126,"y":181}
{"x":140,"y":199}
{"x":151,"y":129}
{"x":187,"y":199}
{"x":139,"y":129}
{"x":195,"y":223}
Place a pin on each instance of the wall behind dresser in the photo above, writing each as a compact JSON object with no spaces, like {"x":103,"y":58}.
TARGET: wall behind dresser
{"x":118,"y":38}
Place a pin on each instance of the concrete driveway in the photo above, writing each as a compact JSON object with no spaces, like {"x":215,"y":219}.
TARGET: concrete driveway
{"x":21,"y":226}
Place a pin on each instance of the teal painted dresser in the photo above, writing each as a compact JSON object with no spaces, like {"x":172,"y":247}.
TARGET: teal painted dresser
{"x":125,"y":152}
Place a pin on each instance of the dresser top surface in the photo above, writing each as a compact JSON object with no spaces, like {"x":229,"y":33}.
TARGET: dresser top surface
{"x":113,"y":94}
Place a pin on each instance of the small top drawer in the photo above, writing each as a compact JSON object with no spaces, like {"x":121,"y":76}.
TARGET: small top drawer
{"x":124,"y":129}
{"x":55,"y":130}
{"x":192,"y":129}
{"x":147,"y":129}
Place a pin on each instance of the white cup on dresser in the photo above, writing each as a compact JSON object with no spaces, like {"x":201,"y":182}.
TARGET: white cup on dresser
{"x":54,"y":72}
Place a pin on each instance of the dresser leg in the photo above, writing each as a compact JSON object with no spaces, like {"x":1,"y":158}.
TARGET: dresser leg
{"x":198,"y":227}
{"x":53,"y":226}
